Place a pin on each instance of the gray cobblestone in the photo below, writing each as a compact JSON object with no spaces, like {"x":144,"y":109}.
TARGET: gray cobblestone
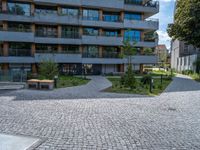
{"x":169,"y":121}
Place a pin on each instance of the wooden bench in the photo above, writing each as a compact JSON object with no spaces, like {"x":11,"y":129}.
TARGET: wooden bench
{"x":46,"y":84}
{"x":40,"y":84}
{"x":33,"y":84}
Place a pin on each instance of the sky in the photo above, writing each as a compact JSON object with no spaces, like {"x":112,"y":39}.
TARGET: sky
{"x":165,"y":16}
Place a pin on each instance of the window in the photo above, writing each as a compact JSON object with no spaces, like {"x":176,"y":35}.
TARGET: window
{"x":46,"y":31}
{"x":45,"y":10}
{"x":91,"y":52}
{"x":44,"y":48}
{"x":89,"y":14}
{"x":132,"y":35}
{"x":111,"y":17}
{"x":137,"y":2}
{"x":70,"y":12}
{"x":70,"y":32}
{"x":71,"y":49}
{"x":111,"y":52}
{"x":110,"y":33}
{"x":19,"y":49}
{"x":91,"y":31}
{"x":19,"y":27}
{"x":19,"y":8}
{"x":133,"y":16}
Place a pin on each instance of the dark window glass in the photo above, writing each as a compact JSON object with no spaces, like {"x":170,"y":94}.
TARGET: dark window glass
{"x":44,"y":48}
{"x":110,"y":33}
{"x":19,"y":49}
{"x":133,"y":16}
{"x":70,"y":12}
{"x":45,"y":10}
{"x":91,"y":31}
{"x":19,"y":27}
{"x":1,"y":49}
{"x":111,"y":17}
{"x":137,"y":2}
{"x":91,"y":52}
{"x":46,"y":31}
{"x":70,"y":32}
{"x":111,"y":52}
{"x":19,"y":8}
{"x":89,"y":14}
{"x":132,"y":35}
{"x":71,"y":49}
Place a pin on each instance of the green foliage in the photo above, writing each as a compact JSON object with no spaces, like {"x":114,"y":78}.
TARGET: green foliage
{"x":129,"y":49}
{"x":129,"y":78}
{"x":148,"y":51}
{"x":48,"y":69}
{"x":146,"y":79}
{"x":186,"y":26}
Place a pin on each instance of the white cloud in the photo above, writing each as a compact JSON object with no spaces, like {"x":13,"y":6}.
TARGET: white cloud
{"x":164,"y":38}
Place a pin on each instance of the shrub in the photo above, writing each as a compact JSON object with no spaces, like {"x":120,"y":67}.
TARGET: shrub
{"x":146,"y":79}
{"x":48,"y":69}
{"x":129,"y":78}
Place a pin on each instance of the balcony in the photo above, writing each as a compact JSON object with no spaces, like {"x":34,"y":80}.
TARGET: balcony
{"x":62,"y":2}
{"x":58,"y":57}
{"x":150,"y":24}
{"x":17,"y":59}
{"x":102,"y":40}
{"x":143,"y":59}
{"x":12,"y":36}
{"x":113,"y":4}
{"x":102,"y":61}
{"x":150,"y":7}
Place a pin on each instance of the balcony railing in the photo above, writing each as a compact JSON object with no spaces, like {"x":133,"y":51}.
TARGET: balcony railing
{"x":57,"y":52}
{"x":150,"y":3}
{"x":73,"y":35}
{"x":111,"y":55}
{"x":19,"y":52}
{"x":90,"y":55}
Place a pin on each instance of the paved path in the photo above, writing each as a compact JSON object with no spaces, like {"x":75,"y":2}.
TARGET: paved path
{"x":169,"y":121}
{"x":91,"y":90}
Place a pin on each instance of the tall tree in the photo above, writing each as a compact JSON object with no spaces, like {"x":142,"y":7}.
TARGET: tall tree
{"x":186,"y":25}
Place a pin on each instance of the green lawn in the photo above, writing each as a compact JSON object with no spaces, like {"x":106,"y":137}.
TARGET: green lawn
{"x":69,"y":81}
{"x":140,"y":88}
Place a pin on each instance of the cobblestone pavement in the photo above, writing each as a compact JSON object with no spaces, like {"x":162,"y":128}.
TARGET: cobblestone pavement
{"x":170,"y":121}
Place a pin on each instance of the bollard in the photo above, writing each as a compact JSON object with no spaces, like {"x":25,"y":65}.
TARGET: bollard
{"x":55,"y":81}
{"x":151,"y":86}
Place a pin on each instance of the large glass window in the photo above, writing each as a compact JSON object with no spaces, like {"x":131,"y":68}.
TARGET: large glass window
{"x":19,"y":49}
{"x":19,"y":8}
{"x":111,"y":33}
{"x":45,"y":10}
{"x":91,"y":31}
{"x":19,"y":27}
{"x":71,"y":49}
{"x":111,"y":52}
{"x":137,"y":2}
{"x":70,"y":12}
{"x":44,"y":48}
{"x":46,"y":31}
{"x":70,"y":32}
{"x":132,"y":16}
{"x":132,"y":35}
{"x":111,"y":17}
{"x":91,"y":52}
{"x":89,"y":14}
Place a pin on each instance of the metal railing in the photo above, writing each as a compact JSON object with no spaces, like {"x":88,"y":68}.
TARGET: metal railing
{"x":149,"y":3}
{"x":13,"y":76}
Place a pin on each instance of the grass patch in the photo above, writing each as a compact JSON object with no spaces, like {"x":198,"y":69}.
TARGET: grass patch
{"x":160,"y":72}
{"x":195,"y":76}
{"x":140,"y":88}
{"x":69,"y":81}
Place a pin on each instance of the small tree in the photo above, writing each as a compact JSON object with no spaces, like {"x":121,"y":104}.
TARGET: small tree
{"x":48,"y":69}
{"x":129,"y":50}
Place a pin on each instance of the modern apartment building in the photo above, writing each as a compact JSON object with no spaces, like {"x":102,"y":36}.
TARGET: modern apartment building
{"x":183,"y":56}
{"x":76,"y":34}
